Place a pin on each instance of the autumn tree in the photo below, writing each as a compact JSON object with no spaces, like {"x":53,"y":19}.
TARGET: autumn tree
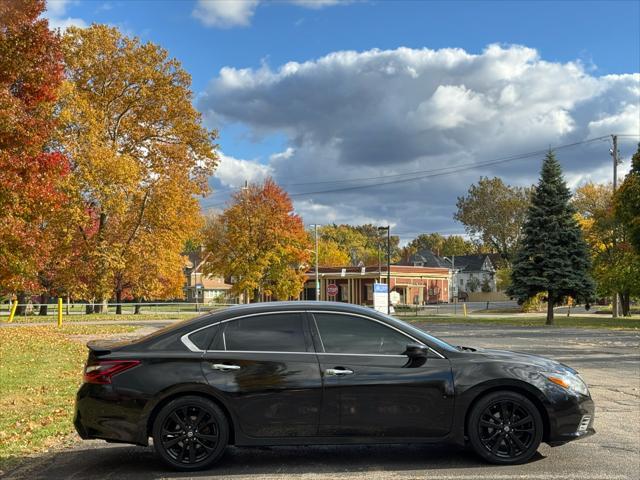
{"x":33,"y":178}
{"x":616,"y":266}
{"x":359,"y":244}
{"x":260,"y":242}
{"x":330,"y":253}
{"x":552,"y":256}
{"x":140,"y":156}
{"x":494,"y":214}
{"x":440,"y":245}
{"x":627,"y":202}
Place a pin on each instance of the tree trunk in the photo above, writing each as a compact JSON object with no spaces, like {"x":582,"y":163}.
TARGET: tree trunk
{"x":118,"y":302}
{"x":550,"y":302}
{"x":256,"y":295}
{"x":88,"y":308}
{"x":625,"y":300}
{"x":98,"y":307}
{"x":44,"y":305}
{"x":138,"y":307}
{"x":22,"y":304}
{"x":614,"y":305}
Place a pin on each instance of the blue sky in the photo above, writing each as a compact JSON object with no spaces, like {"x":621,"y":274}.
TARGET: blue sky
{"x":601,"y":38}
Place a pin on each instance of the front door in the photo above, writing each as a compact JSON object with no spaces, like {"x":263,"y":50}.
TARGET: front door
{"x":265,"y":366}
{"x":371,"y":389}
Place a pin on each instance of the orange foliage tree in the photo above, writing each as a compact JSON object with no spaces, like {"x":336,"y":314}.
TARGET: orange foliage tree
{"x":33,"y":178}
{"x":140,"y":157}
{"x":260,"y":242}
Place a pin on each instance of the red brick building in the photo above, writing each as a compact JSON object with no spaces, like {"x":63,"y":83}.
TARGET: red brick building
{"x":415,"y":284}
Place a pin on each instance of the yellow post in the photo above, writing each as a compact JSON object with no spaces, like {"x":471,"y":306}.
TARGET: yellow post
{"x":13,"y":310}
{"x":464,"y":309}
{"x":59,"y":311}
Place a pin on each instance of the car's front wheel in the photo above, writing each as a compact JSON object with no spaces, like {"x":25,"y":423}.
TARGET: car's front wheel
{"x":190,"y":433}
{"x":505,"y":428}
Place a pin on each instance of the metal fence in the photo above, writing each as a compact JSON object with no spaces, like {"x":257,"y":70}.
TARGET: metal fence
{"x":158,"y":308}
{"x":177,"y":308}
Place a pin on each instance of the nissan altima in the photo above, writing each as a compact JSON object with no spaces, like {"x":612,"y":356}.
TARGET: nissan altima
{"x":305,"y":373}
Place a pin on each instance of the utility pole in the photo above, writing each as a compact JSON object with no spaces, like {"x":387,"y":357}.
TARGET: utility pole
{"x":389,"y":270}
{"x":614,"y":156}
{"x":315,"y":229}
{"x":388,"y":229}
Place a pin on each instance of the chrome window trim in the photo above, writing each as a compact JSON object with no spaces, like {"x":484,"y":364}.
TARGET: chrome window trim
{"x":373,"y":320}
{"x":194,"y":348}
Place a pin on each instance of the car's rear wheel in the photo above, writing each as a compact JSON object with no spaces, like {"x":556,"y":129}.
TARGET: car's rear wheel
{"x":190,"y":433}
{"x":505,"y":428}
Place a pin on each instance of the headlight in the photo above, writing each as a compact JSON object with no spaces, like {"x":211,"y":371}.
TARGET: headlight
{"x":568,"y":381}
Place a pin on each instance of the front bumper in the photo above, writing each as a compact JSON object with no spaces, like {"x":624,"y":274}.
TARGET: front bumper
{"x":572,"y":419}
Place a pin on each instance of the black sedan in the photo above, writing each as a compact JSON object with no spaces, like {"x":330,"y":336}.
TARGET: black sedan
{"x":303,"y":373}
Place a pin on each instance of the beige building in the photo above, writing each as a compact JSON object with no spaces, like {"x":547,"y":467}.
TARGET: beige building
{"x":202,"y":288}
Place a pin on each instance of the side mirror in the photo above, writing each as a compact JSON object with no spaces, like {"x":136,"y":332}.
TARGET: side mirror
{"x":415,"y":350}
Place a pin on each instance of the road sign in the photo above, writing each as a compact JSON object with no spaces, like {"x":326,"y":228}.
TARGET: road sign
{"x":332,"y":290}
{"x":395,"y":298}
{"x":380,"y":297}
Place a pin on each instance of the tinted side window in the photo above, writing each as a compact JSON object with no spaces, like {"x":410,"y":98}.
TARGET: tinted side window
{"x":202,"y":338}
{"x":266,"y":333}
{"x":348,"y":334}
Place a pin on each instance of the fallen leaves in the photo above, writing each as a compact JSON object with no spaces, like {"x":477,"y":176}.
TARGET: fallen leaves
{"x":40,"y":372}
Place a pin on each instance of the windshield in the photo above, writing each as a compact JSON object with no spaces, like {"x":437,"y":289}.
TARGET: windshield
{"x":436,"y":341}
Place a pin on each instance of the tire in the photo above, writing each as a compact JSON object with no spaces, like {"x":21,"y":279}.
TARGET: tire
{"x":505,"y":442}
{"x":190,"y":433}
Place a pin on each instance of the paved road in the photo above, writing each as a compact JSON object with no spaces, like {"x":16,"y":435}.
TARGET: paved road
{"x":609,"y":360}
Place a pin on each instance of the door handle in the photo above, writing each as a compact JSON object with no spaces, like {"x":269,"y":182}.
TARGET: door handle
{"x":225,"y":368}
{"x":338,"y":372}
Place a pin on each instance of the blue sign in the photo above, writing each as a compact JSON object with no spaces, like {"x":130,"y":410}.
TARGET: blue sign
{"x":379,"y":288}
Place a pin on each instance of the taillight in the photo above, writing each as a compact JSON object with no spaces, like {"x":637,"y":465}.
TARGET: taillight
{"x":102,"y":371}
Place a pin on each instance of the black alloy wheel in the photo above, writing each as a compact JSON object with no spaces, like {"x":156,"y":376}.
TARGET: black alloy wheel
{"x":505,"y":428}
{"x":190,"y":433}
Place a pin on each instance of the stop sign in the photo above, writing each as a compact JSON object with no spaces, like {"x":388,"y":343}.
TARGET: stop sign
{"x":332,"y":289}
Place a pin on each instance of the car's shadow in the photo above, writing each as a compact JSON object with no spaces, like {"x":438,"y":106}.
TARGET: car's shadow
{"x":126,"y":462}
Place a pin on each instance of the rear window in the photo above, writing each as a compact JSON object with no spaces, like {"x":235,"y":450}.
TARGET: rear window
{"x":281,"y":332}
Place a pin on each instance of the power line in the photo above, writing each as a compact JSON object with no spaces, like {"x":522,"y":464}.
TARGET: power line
{"x":422,"y":174}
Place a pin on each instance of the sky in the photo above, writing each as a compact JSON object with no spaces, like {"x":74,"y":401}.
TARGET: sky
{"x":385,"y":112}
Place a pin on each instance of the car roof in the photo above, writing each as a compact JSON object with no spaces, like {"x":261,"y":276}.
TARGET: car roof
{"x":297,"y":305}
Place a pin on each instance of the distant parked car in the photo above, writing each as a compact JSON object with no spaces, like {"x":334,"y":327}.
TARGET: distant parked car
{"x":304,"y":373}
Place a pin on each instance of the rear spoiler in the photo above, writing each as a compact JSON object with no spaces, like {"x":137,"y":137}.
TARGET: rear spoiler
{"x":102,"y":347}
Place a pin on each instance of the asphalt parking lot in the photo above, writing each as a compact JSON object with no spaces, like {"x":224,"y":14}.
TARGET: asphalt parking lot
{"x":609,"y":361}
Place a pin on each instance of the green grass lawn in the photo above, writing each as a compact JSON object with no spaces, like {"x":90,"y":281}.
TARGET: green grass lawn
{"x":533,"y":321}
{"x":99,"y":317}
{"x":40,"y":372}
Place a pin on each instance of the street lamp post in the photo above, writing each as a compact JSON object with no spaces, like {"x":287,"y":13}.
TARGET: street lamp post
{"x":315,"y":229}
{"x":388,"y":229}
{"x":316,"y":253}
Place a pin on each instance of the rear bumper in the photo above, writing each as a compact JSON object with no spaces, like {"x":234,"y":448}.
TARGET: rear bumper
{"x":100,"y":413}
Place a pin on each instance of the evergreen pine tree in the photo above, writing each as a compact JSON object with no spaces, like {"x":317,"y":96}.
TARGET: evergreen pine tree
{"x":553,"y":255}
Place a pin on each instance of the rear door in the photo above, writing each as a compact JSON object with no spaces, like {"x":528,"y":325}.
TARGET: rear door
{"x":371,"y":389}
{"x":266,"y":367}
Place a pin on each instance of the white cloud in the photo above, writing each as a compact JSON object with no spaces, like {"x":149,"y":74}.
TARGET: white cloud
{"x":238,"y":13}
{"x":225,"y":13}
{"x":55,"y":13}
{"x":233,"y":172}
{"x":317,"y":4}
{"x":380,"y":113}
